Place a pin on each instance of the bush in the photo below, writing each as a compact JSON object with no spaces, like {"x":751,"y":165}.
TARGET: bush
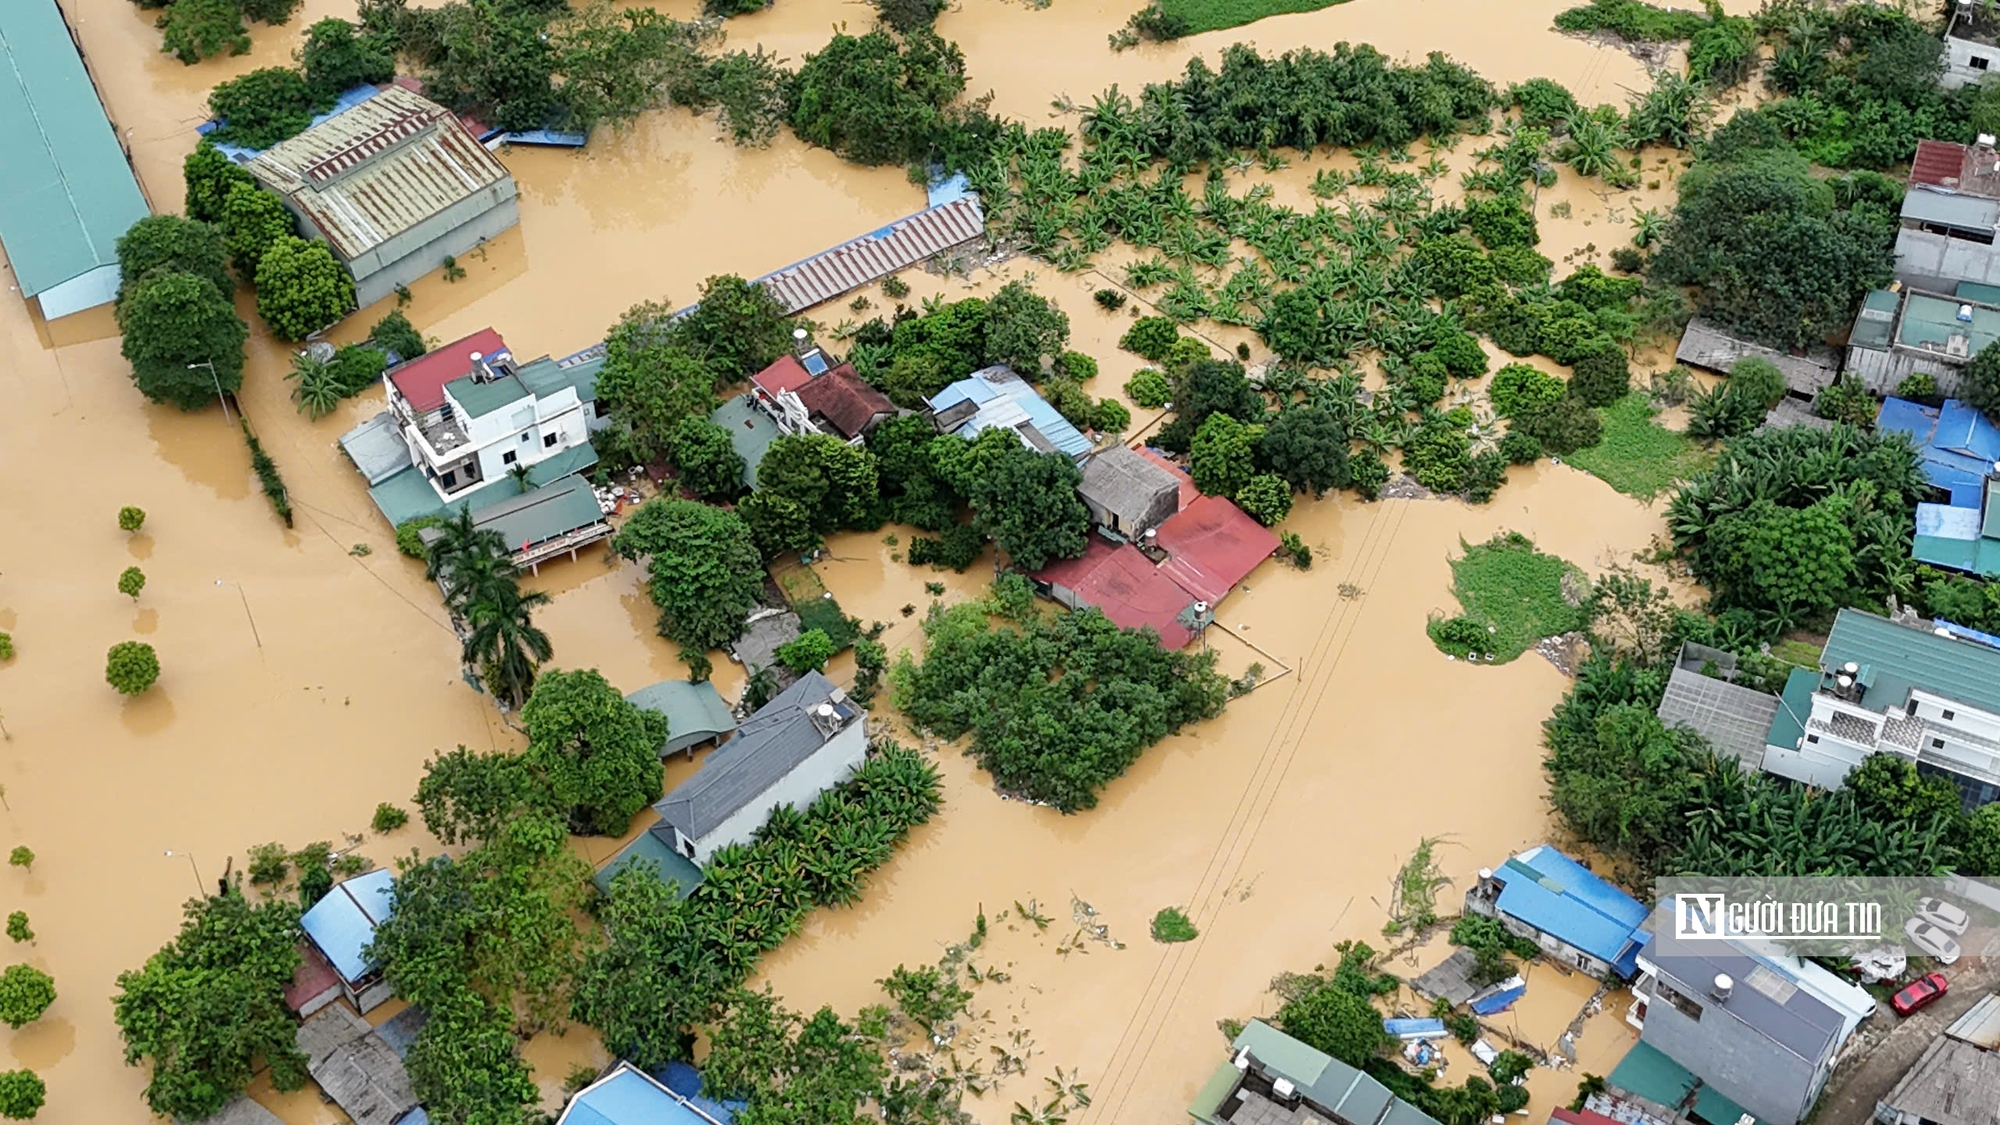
{"x":1758,"y":381}
{"x":1601,"y":375}
{"x":1150,"y":389}
{"x":1625,"y":259}
{"x":1542,"y":102}
{"x":394,"y":334}
{"x":1920,"y":387}
{"x":6,"y":646}
{"x":808,"y":653}
{"x":21,"y":1091}
{"x":409,"y":539}
{"x":18,"y":928}
{"x":131,"y":667}
{"x":197,"y":29}
{"x":301,"y":288}
{"x":1520,"y":449}
{"x":22,"y":856}
{"x":1846,"y":400}
{"x":1484,"y":476}
{"x":131,"y":518}
{"x":1170,"y":925}
{"x":1151,"y":337}
{"x":1369,"y":473}
{"x":25,"y":993}
{"x":1462,"y":356}
{"x":130,"y":581}
{"x":1439,"y":455}
{"x":1076,"y":366}
{"x":1520,"y":390}
{"x":1563,"y":428}
{"x":958,"y":548}
{"x":388,"y":818}
{"x":1267,"y":499}
{"x":267,"y":474}
{"x":1520,"y":265}
{"x":261,"y":108}
{"x":1109,"y":299}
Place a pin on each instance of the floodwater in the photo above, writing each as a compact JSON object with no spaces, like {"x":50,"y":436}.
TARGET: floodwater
{"x":309,"y":672}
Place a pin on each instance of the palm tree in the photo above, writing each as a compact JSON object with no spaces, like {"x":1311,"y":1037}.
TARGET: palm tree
{"x":503,"y":641}
{"x":520,"y":474}
{"x":466,"y":559}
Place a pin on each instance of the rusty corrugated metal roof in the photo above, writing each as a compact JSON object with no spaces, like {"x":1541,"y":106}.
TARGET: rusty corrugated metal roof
{"x":876,"y":255}
{"x":367,"y":175}
{"x":1939,"y":163}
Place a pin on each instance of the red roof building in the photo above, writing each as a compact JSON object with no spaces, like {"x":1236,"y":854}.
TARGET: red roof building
{"x":845,"y":402}
{"x":786,"y":374}
{"x":1211,"y":546}
{"x":1123,"y":583}
{"x":421,"y":381}
{"x":314,"y":983}
{"x":1938,"y":163}
{"x":1580,"y":1117}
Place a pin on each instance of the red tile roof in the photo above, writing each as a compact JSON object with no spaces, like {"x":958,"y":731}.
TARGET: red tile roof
{"x":787,"y":374}
{"x":845,"y":400}
{"x":1212,"y":545}
{"x":1125,"y":584}
{"x":1939,"y":163}
{"x":1580,"y":1117}
{"x":422,"y":380}
{"x":314,"y":975}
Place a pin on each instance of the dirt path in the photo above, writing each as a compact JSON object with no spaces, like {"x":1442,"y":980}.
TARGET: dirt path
{"x":1851,"y":1095}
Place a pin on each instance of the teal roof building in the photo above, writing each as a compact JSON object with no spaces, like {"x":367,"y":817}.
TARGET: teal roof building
{"x":67,"y":191}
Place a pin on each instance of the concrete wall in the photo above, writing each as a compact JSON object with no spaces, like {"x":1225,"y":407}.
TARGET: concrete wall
{"x":1966,"y":62}
{"x":454,"y":231}
{"x":1737,"y":1060}
{"x":817,"y":774}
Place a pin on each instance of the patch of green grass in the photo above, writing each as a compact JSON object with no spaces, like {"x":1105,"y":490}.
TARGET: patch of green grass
{"x":1214,"y":15}
{"x":1797,"y":652}
{"x":1512,"y":597}
{"x":1170,"y":925}
{"x":1638,"y":456}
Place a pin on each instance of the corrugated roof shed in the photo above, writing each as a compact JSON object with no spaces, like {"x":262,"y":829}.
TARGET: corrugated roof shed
{"x":1557,"y":895}
{"x":343,"y":923}
{"x":1950,"y":209}
{"x":1647,"y":1072}
{"x":241,"y":1110}
{"x":1189,"y":493}
{"x":876,"y":255}
{"x":627,"y":1096}
{"x":1938,"y":163}
{"x":377,"y":448}
{"x":1122,"y":582}
{"x":1709,"y":345}
{"x":1004,"y":400}
{"x":1321,"y":1079}
{"x":1953,"y":1083}
{"x":365,"y":176}
{"x":768,"y":745}
{"x":66,"y":189}
{"x":1734,"y":719}
{"x":1980,"y":1026}
{"x":695,"y":712}
{"x":355,"y":1067}
{"x":1895,"y":658}
{"x":422,"y":380}
{"x":1957,"y":443}
{"x":1211,"y":546}
{"x":545,"y":513}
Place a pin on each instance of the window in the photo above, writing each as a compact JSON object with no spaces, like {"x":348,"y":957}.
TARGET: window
{"x":507,"y":458}
{"x":1910,"y":709}
{"x":1813,"y":738}
{"x":1682,"y":1004}
{"x":549,"y":440}
{"x":450,"y":478}
{"x":1980,"y":62}
{"x":1950,"y":715}
{"x":1937,"y":743}
{"x":524,"y":437}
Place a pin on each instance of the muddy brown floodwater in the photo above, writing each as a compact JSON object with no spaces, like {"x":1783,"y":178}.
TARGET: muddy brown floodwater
{"x":304,"y":682}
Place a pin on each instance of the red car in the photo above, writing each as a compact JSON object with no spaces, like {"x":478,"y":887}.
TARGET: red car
{"x":1920,"y":993}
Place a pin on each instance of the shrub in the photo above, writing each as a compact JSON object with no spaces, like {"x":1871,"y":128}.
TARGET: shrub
{"x":301,"y":288}
{"x":1625,"y":259}
{"x":25,"y":993}
{"x":21,"y":1092}
{"x":1564,"y":428}
{"x":389,"y":817}
{"x":1267,"y":498}
{"x":809,"y":653}
{"x":1846,"y":400}
{"x":22,"y":856}
{"x":1076,"y":366}
{"x":1757,"y":380}
{"x":958,"y":548}
{"x":1150,"y":389}
{"x":395,"y":334}
{"x":18,"y":928}
{"x":1484,"y":476}
{"x":1520,"y":449}
{"x":1463,"y":357}
{"x":1369,"y":473}
{"x":6,"y":646}
{"x":1920,"y":387}
{"x":131,"y":667}
{"x":1110,"y":299}
{"x":1520,"y":265}
{"x":1151,"y":337}
{"x":131,"y":519}
{"x":409,"y":538}
{"x":130,"y":581}
{"x":1519,"y":390}
{"x":1170,"y":925}
{"x":1439,"y":455}
{"x":1601,"y":375}
{"x":267,"y":474}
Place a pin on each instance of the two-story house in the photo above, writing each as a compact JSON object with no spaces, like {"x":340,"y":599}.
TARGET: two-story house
{"x":1758,"y":1027}
{"x":1931,"y":695}
{"x":808,"y":394}
{"x":471,"y":414}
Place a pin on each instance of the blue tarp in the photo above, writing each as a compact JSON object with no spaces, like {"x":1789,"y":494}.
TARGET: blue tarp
{"x":342,"y":104}
{"x":1560,"y":897}
{"x":940,"y":192}
{"x":1499,"y":1001}
{"x":1414,"y":1028}
{"x":544,"y":138}
{"x":685,"y":1080}
{"x":1957,"y":443}
{"x":628,"y":1097}
{"x":343,"y":923}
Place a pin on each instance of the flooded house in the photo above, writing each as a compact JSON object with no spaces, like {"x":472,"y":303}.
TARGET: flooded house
{"x":340,"y":927}
{"x":1713,"y":347}
{"x":1271,"y":1078}
{"x":809,"y":394}
{"x":1576,"y":917}
{"x":998,"y":397}
{"x":1211,"y":546}
{"x":394,"y":186}
{"x":1903,"y":332}
{"x":947,"y":225}
{"x":805,"y":741}
{"x":1959,"y":451}
{"x":1129,"y":588}
{"x":1128,"y":494}
{"x":751,"y":432}
{"x":357,"y":1069}
{"x":1951,"y":209}
{"x":67,"y":191}
{"x":626,"y":1095}
{"x":695,"y":713}
{"x":1744,"y":1027}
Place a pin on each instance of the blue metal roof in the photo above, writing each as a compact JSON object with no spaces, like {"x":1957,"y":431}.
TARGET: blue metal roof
{"x":343,"y":923}
{"x":628,"y":1097}
{"x":1559,"y":896}
{"x":1006,"y":399}
{"x":1958,"y":444}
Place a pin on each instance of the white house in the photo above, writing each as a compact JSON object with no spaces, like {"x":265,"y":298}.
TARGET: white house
{"x":1923,"y":694}
{"x":470,"y":413}
{"x":1970,"y":51}
{"x":805,"y":741}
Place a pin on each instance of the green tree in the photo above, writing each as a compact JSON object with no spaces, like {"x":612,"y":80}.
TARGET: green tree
{"x":209,"y":1008}
{"x":616,"y":64}
{"x":1332,"y":1018}
{"x":1601,"y":375}
{"x":809,"y":652}
{"x":913,"y":489}
{"x":335,"y":59}
{"x":263,"y":107}
{"x":875,"y":101}
{"x":131,"y":518}
{"x":465,"y":1064}
{"x":197,"y":29}
{"x":833,"y":481}
{"x":1307,"y":447}
{"x":395,"y":334}
{"x":301,"y":288}
{"x":1203,"y":388}
{"x":816,"y":1071}
{"x":1266,"y":498}
{"x":1980,"y":382}
{"x":171,"y":244}
{"x":779,"y":525}
{"x":1888,"y":786}
{"x":21,"y":1094}
{"x":737,"y":328}
{"x":493,"y":61}
{"x":1757,"y":380}
{"x":17,"y":926}
{"x":502,"y":641}
{"x":651,"y":383}
{"x":253,"y":220}
{"x":1981,"y":846}
{"x":172,"y":320}
{"x":25,"y":993}
{"x":1224,"y":456}
{"x":22,"y":856}
{"x":465,"y":796}
{"x":209,"y":175}
{"x":1026,"y":502}
{"x":1022,"y":326}
{"x":1798,"y":560}
{"x":131,"y":667}
{"x":706,"y":572}
{"x":597,"y":755}
{"x":648,"y":980}
{"x":709,"y":464}
{"x":131,"y":580}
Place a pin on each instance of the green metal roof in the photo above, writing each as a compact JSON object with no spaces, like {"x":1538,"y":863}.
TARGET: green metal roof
{"x":545,"y":377}
{"x":1929,"y":321}
{"x":1789,"y":725}
{"x":695,"y":712}
{"x":671,"y":865}
{"x":751,"y":431}
{"x":1978,"y":291}
{"x":407,"y":495}
{"x":1321,"y":1078}
{"x":1876,"y":320}
{"x":479,"y":399}
{"x":540,"y":378}
{"x":1209,"y":1098}
{"x":1647,"y":1072}
{"x":66,"y":190}
{"x":1895,"y":658}
{"x":542,"y":514}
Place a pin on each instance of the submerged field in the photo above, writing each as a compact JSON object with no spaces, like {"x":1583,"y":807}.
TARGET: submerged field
{"x":304,"y":682}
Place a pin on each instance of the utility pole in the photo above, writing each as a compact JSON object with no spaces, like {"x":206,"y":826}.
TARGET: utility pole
{"x":219,"y":396}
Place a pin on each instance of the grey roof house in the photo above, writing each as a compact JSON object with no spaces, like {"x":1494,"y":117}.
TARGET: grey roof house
{"x":1734,"y":719}
{"x":1713,"y":347}
{"x":1128,"y":494}
{"x":1273,"y":1079}
{"x":355,"y":1067}
{"x":695,"y":713}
